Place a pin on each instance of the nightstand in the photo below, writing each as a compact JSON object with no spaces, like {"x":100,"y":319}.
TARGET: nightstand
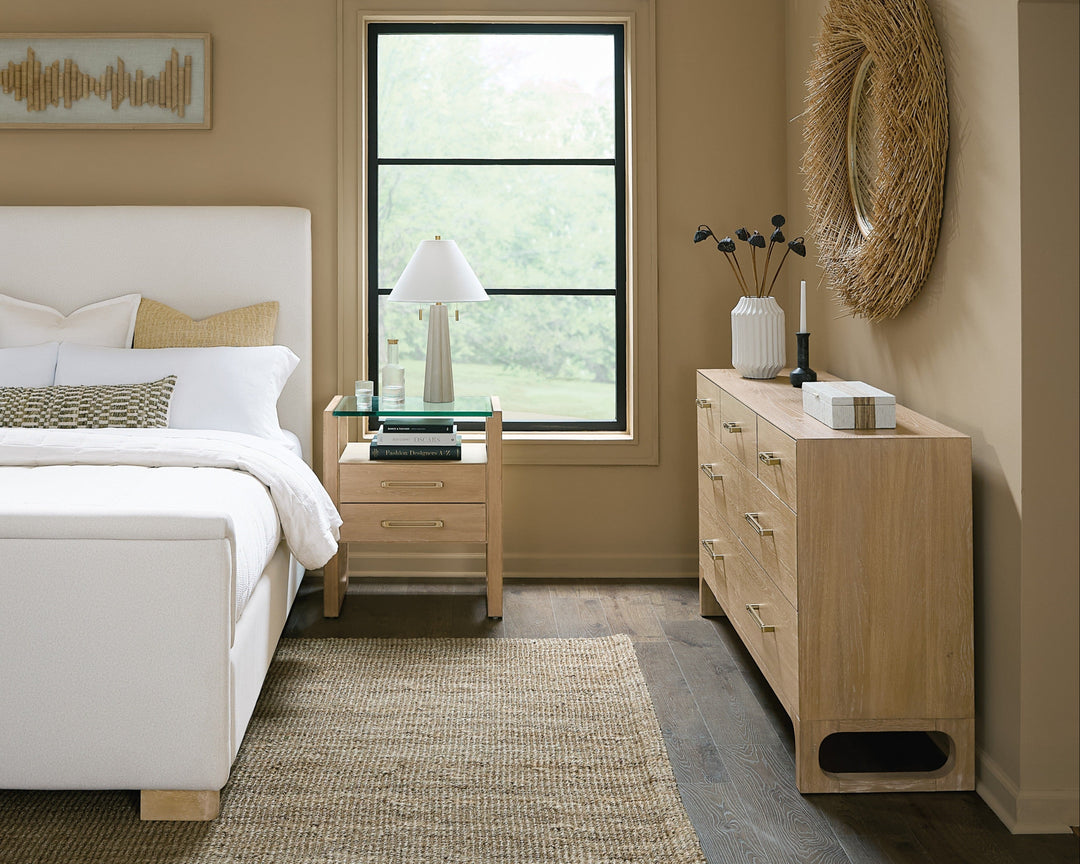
{"x":391,"y":501}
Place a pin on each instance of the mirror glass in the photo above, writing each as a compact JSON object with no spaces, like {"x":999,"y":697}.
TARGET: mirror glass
{"x":863,"y":145}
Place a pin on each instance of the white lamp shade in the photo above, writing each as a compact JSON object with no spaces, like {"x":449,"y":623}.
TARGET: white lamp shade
{"x":437,"y":273}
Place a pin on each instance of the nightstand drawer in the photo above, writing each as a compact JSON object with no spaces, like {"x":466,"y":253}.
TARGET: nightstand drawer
{"x":387,"y":523}
{"x":391,"y":482}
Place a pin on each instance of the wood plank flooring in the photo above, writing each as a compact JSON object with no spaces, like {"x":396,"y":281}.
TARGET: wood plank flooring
{"x":729,"y":741}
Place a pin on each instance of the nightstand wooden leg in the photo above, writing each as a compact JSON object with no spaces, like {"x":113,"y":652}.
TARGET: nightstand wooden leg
{"x":494,"y":582}
{"x":494,"y":441}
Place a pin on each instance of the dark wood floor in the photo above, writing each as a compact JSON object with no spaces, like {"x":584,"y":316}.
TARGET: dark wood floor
{"x":729,"y":741}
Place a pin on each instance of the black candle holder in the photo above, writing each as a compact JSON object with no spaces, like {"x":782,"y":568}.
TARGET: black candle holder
{"x":802,"y":372}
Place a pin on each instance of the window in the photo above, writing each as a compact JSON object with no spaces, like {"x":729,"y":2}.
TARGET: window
{"x":508,"y":138}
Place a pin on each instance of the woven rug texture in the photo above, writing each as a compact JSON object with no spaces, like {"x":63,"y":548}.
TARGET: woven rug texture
{"x":378,"y":751}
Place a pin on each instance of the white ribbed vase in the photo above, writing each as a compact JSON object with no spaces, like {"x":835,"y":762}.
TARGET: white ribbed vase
{"x":757,"y":337}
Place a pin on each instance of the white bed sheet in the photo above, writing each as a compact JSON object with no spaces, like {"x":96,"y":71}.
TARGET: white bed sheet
{"x":309,"y":519}
{"x":128,"y":502}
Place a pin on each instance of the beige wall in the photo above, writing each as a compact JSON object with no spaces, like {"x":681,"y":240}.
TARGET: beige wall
{"x":1050,"y":273}
{"x":959,"y":353}
{"x":274,"y":139}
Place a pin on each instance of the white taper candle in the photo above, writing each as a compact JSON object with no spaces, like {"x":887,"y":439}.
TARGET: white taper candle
{"x":802,"y":308}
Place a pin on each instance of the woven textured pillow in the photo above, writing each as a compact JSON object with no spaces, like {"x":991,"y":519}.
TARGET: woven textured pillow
{"x":161,"y":326}
{"x":130,"y":406}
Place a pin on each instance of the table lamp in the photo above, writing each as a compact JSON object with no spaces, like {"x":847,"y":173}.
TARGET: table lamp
{"x":437,"y":274}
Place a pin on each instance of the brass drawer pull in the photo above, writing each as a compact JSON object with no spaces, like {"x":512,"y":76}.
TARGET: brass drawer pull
{"x":703,"y":403}
{"x":412,"y":484}
{"x":418,"y":523}
{"x":753,"y":609}
{"x":752,"y":518}
{"x":768,"y":458}
{"x":706,"y":469}
{"x":732,"y":426}
{"x":707,"y":544}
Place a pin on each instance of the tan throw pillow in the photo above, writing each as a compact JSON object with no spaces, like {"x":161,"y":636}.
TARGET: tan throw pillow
{"x":161,"y":326}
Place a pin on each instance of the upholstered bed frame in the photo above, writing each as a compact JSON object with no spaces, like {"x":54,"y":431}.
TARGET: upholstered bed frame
{"x":128,"y":671}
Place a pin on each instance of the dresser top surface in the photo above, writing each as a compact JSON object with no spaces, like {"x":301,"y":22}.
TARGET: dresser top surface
{"x":781,"y":404}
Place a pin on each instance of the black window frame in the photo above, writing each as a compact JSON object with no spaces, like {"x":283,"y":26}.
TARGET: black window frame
{"x":618,"y":163}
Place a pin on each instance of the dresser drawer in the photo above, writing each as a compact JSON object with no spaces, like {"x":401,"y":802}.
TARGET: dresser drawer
{"x":371,"y":482}
{"x":386,"y":523}
{"x":738,"y":430}
{"x":716,"y":550}
{"x":708,"y":408}
{"x":723,"y":492}
{"x":776,"y":466}
{"x":769,"y":628}
{"x":766,"y":527}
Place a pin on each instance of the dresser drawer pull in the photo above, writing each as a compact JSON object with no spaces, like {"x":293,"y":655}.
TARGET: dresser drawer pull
{"x":712,"y":552}
{"x":706,"y":469}
{"x":412,"y":523}
{"x":732,"y":426}
{"x":412,"y":484}
{"x":753,"y":609}
{"x":752,"y":518}
{"x":768,"y":458}
{"x":703,"y":403}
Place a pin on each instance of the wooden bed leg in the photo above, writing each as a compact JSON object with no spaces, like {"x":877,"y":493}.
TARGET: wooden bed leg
{"x":179,"y":805}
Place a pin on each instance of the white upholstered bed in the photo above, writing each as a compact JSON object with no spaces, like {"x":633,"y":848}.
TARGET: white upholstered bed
{"x":131,"y":657}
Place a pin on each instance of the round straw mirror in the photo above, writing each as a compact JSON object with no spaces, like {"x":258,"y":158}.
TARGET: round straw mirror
{"x":877,"y":136}
{"x":863,"y":146}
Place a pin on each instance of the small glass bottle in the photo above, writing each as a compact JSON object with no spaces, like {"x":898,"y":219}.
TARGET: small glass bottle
{"x":393,"y":377}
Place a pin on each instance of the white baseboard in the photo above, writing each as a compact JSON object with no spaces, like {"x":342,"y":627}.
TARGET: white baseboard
{"x":439,"y":563}
{"x":1038,"y":811}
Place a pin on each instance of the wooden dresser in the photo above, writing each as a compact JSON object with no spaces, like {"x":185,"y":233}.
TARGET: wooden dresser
{"x":843,"y":560}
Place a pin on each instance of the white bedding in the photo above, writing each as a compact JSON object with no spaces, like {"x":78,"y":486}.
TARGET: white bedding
{"x":307,"y":516}
{"x":128,"y":502}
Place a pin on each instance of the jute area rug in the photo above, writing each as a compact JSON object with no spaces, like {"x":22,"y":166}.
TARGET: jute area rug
{"x":411,"y":750}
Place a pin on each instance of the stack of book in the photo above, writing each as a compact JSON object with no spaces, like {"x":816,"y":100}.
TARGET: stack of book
{"x":416,"y":438}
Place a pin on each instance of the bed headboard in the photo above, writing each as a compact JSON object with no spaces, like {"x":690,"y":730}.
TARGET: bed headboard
{"x":199,"y":260}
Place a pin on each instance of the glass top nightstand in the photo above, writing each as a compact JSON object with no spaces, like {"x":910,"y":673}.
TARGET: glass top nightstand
{"x":463,"y":406}
{"x":414,"y":500}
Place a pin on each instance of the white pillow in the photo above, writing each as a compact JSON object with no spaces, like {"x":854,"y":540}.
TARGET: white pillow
{"x":110,"y":323}
{"x":231,"y":389}
{"x":29,"y":366}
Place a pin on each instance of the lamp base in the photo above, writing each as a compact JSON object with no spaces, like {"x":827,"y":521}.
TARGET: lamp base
{"x":438,"y":371}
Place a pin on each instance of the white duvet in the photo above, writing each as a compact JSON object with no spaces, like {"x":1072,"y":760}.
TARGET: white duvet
{"x":308,"y":517}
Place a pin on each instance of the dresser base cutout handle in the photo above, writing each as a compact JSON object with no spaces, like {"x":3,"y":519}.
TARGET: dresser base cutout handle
{"x":418,"y":523}
{"x":752,"y":518}
{"x":412,"y":484}
{"x":755,"y":609}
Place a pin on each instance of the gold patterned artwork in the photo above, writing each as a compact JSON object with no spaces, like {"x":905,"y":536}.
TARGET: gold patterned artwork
{"x":105,"y":80}
{"x":43,"y":85}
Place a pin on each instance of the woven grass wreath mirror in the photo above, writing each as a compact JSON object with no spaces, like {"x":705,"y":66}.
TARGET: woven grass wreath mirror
{"x":877,"y":134}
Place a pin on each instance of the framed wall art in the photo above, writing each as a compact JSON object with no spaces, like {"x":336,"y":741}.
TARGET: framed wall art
{"x":104,"y":80}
